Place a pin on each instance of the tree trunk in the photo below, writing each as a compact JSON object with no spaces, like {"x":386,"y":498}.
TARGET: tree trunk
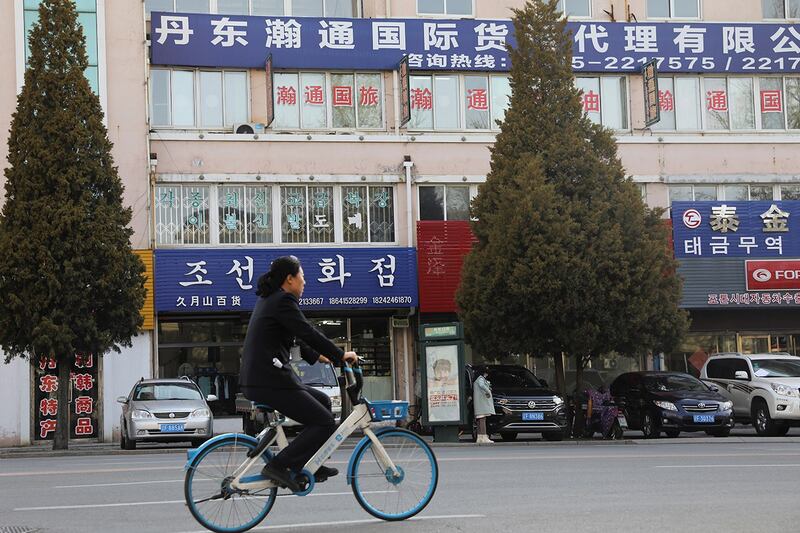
{"x":561,"y":385}
{"x":580,"y":419}
{"x":61,"y":435}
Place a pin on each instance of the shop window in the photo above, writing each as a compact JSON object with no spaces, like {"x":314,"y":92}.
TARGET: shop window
{"x":456,"y":102}
{"x":245,"y":214}
{"x":204,"y":99}
{"x":781,"y":9}
{"x":307,"y":214}
{"x":306,"y":100}
{"x":690,"y":193}
{"x":370,"y":339}
{"x":686,"y":9}
{"x":444,"y":7}
{"x":367,"y":214}
{"x":605,"y":100}
{"x":747,"y":192}
{"x":575,"y":8}
{"x":182,"y":213}
{"x":444,"y":202}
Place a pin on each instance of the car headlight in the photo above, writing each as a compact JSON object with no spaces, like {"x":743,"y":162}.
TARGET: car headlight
{"x":557,"y":400}
{"x":200,"y":413}
{"x":669,"y":406}
{"x":336,"y":401}
{"x":726,"y":406}
{"x":785,"y":390}
{"x":141,"y":413}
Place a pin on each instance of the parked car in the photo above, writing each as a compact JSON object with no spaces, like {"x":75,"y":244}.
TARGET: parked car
{"x":165,"y":410}
{"x":764,"y":388}
{"x":320,"y":376}
{"x":671,"y":402}
{"x":523,"y":402}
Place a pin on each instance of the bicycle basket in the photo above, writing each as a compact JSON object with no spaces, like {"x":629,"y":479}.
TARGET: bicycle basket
{"x":388,"y":410}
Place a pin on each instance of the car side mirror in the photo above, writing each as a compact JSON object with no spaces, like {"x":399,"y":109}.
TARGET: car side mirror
{"x":713,"y":388}
{"x":122,"y":399}
{"x":211,"y":398}
{"x":741,"y":374}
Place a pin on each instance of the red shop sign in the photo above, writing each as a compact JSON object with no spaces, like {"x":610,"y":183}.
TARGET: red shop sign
{"x":767,"y":275}
{"x":441,"y":247}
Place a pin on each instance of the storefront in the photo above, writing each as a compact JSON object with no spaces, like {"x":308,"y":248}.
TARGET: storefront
{"x":204,"y":298}
{"x":741,"y":278}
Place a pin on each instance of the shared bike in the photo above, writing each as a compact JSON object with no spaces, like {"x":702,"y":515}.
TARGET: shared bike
{"x":393,"y":472}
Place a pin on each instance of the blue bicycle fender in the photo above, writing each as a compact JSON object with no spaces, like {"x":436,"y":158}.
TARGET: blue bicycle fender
{"x":191,"y":455}
{"x":363,"y":442}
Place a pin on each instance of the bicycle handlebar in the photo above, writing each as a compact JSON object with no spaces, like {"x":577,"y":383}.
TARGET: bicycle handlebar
{"x":354,"y":381}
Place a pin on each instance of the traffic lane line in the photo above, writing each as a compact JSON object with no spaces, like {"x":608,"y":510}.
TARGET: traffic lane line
{"x":730,"y":466}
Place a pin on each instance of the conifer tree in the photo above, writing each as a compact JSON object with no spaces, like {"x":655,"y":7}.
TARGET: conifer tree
{"x":568,"y":258}
{"x":69,"y":281}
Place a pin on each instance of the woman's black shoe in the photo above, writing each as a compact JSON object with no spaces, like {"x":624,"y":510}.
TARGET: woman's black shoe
{"x":281,"y":476}
{"x":324,"y":473}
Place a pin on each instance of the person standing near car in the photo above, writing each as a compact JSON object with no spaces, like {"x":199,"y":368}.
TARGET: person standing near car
{"x":483,"y":405}
{"x":278,"y":329}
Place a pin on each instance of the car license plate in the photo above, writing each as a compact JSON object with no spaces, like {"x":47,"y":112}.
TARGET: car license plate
{"x":528,"y":415}
{"x":623,"y":422}
{"x":171,"y":428}
{"x":703,"y":419}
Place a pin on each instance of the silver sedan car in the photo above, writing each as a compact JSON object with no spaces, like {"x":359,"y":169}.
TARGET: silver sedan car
{"x":165,"y":410}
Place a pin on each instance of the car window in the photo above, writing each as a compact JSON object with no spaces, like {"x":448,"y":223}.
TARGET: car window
{"x":513,"y":378}
{"x":166,"y":391}
{"x":619,"y":385}
{"x":776,"y":368}
{"x":315,"y":375}
{"x":719,"y":369}
{"x":737,"y":365}
{"x":673,"y":382}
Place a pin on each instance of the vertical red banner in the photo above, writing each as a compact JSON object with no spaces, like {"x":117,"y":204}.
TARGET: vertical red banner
{"x":441,"y":247}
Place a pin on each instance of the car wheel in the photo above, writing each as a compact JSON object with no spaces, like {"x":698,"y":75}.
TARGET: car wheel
{"x":649,"y":429}
{"x":553,"y":436}
{"x":508,"y":436}
{"x":762,"y":421}
{"x":672,"y":433}
{"x":724,"y":432}
{"x":126,"y":443}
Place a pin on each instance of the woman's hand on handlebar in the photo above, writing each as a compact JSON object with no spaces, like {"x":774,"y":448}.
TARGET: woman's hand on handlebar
{"x":350,"y":357}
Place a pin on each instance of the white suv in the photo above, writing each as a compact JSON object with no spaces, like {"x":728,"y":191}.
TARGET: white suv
{"x":764,"y":388}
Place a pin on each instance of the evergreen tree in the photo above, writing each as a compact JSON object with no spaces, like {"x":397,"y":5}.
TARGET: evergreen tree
{"x":69,"y":281}
{"x":568,"y":258}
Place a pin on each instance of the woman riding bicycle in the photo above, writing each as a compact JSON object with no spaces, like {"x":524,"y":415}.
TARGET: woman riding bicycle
{"x":277,"y":328}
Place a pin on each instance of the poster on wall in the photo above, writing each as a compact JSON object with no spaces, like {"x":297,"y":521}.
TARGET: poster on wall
{"x":82,"y":398}
{"x":443,"y":383}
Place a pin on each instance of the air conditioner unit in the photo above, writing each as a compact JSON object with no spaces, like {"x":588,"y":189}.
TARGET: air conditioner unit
{"x":249,"y":128}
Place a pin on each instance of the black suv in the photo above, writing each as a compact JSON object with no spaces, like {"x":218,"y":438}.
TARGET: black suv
{"x":523,"y":403}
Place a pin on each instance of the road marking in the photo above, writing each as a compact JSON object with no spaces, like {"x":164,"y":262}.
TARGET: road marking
{"x":728,"y":466}
{"x":168,"y":502}
{"x":117,"y":484}
{"x":354,"y":522}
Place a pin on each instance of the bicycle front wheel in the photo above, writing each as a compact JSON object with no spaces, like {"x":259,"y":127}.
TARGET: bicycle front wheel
{"x":210,"y":497}
{"x":391,"y":495}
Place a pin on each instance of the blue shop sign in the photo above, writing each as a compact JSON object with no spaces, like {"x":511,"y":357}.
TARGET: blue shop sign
{"x":720,"y":229}
{"x":203,"y":40}
{"x":203,"y":280}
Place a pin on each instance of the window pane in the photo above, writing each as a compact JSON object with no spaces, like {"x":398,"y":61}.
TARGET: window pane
{"x":591,"y":97}
{"x":578,"y":8}
{"x":321,"y":213}
{"x":313,"y":112}
{"x":686,"y":8}
{"x":476,"y":102}
{"x":158,"y":5}
{"x":705,"y":192}
{"x":761,"y":192}
{"x":195,"y":215}
{"x":182,"y":98}
{"x":235,"y":98}
{"x":459,"y":7}
{"x":287,"y":110}
{"x":31,"y":4}
{"x":191,"y":6}
{"x":687,"y":100}
{"x":88,"y":22}
{"x":31,"y":17}
{"x":293,"y":214}
{"x":742,"y":113}
{"x":716,"y":104}
{"x":615,"y":107}
{"x":307,"y":8}
{"x":772,"y":104}
{"x":445,"y":106}
{"x":457,"y":203}
{"x":680,"y":193}
{"x":230,"y":202}
{"x":211,"y":98}
{"x":666,"y":101}
{"x":370,"y":101}
{"x":793,"y":102}
{"x":793,"y":9}
{"x":159,"y":97}
{"x":431,"y":202}
{"x":735,"y":192}
{"x":421,"y":103}
{"x":342,"y":94}
{"x":430,"y":6}
{"x":168,"y":204}
{"x":233,"y":7}
{"x":268,"y":8}
{"x":381,"y":214}
{"x":773,"y":9}
{"x":93,"y":76}
{"x":86,"y":5}
{"x":258,"y":210}
{"x":501,"y":93}
{"x":658,"y":8}
{"x":790,"y":192}
{"x":339,"y":8}
{"x":354,"y":213}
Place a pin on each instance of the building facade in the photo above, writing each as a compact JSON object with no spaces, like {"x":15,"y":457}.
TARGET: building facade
{"x":248,"y":129}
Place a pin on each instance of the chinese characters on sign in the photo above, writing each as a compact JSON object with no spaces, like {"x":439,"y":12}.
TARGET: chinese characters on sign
{"x":82,"y":406}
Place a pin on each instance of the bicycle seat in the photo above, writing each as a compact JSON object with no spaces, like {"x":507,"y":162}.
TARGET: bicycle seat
{"x":264,"y":407}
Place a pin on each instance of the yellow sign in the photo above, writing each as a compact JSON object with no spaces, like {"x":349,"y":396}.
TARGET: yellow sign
{"x":148,"y":310}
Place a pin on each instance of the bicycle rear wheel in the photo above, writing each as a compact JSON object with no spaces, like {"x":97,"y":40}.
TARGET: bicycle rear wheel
{"x":387,"y":495}
{"x":211,"y":499}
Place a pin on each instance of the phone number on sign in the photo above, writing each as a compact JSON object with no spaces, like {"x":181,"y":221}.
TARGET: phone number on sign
{"x":684,"y":64}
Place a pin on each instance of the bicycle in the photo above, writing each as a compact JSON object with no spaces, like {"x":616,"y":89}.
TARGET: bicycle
{"x":393,"y":472}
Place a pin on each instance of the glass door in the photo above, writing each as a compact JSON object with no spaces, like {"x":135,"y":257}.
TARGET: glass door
{"x":754,"y":343}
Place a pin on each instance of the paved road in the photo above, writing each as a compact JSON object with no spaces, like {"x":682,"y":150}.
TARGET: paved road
{"x":670,"y":485}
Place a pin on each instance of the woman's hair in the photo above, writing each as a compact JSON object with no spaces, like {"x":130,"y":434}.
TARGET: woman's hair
{"x":279,"y":269}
